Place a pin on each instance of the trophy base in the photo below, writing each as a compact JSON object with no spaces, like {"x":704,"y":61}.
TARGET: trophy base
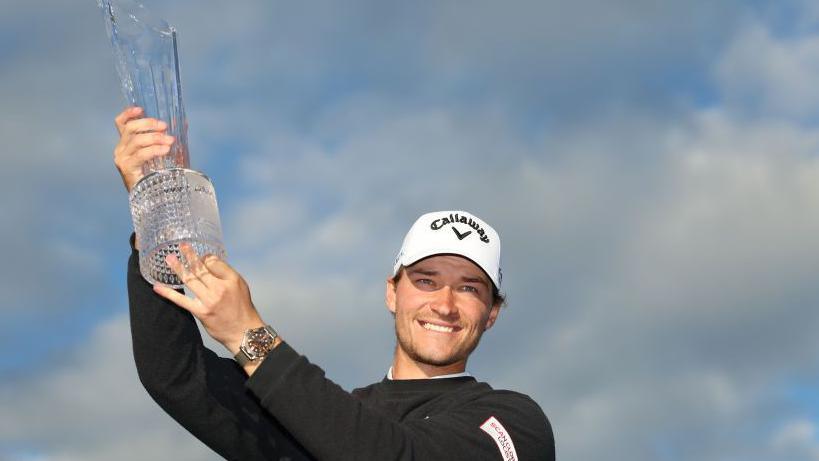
{"x":154,"y":269}
{"x":169,"y":207}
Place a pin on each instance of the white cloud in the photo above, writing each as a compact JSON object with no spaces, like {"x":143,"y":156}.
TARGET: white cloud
{"x":797,"y":440}
{"x":689,"y":323}
{"x":57,"y":173}
{"x":771,"y":75}
{"x":87,"y":404}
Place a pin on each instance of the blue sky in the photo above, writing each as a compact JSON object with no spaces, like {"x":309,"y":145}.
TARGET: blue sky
{"x":651,"y":168}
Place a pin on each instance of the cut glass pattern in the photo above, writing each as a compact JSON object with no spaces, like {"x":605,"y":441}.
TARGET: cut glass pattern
{"x":170,"y":207}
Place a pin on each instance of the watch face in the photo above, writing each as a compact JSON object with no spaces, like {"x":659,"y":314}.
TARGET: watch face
{"x":258,"y":342}
{"x":256,"y":347}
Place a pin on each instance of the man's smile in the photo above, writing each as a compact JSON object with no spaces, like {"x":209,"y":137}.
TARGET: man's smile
{"x":439,"y":326}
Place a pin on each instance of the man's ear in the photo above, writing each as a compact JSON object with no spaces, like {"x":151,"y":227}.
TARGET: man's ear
{"x":389,"y":294}
{"x":493,"y":315}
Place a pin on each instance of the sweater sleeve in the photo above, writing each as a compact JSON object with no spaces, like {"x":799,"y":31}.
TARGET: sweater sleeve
{"x":203,"y":392}
{"x":332,"y":424}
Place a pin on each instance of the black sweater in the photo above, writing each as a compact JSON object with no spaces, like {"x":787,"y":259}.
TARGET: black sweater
{"x":288,"y":410}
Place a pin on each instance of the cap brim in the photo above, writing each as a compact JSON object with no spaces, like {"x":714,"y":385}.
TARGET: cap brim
{"x":408,"y":260}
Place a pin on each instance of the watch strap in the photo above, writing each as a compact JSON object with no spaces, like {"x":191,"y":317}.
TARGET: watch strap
{"x":242,"y":358}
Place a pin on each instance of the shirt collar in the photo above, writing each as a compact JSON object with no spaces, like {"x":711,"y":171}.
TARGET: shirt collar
{"x":451,"y":375}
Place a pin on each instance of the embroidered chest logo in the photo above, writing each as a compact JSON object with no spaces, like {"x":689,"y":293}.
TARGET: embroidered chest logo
{"x":499,"y":434}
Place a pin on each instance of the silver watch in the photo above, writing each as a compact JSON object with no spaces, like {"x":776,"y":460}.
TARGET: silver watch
{"x":256,"y":344}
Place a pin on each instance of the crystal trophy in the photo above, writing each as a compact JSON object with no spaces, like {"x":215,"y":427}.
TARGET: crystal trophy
{"x":172,"y":203}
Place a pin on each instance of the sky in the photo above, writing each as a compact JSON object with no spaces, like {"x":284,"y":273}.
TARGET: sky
{"x":652,"y":169}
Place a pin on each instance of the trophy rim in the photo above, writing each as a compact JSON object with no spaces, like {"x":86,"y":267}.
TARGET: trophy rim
{"x":138,"y":13}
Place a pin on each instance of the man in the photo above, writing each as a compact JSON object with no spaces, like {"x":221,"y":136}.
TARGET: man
{"x":271,"y":403}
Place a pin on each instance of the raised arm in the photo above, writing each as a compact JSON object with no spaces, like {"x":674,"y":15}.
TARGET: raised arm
{"x":203,"y":392}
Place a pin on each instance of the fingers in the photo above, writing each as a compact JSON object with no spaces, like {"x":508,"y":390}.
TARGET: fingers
{"x":195,"y":264}
{"x":136,"y":131}
{"x":143,"y":125}
{"x":123,"y":117}
{"x":148,"y":139}
{"x":147,"y":153}
{"x":134,"y":150}
{"x":177,"y":298}
{"x":193,"y":274}
{"x":132,"y":120}
{"x":187,"y":276}
{"x":219,"y":268}
{"x":141,"y":140}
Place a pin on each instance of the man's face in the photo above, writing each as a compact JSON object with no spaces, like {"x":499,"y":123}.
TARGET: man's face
{"x":442,"y":306}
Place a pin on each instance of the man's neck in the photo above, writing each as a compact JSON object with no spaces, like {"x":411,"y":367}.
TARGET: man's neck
{"x":453,"y":375}
{"x":404,"y":367}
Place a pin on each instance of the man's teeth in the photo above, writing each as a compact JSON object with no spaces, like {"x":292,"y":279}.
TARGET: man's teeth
{"x":433,"y":327}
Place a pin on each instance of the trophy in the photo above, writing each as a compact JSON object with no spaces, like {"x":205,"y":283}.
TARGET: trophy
{"x":172,"y":203}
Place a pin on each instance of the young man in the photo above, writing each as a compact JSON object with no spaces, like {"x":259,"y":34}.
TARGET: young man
{"x":271,"y":403}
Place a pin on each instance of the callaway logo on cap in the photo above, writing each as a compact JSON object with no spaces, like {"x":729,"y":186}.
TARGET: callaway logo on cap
{"x":452,"y":232}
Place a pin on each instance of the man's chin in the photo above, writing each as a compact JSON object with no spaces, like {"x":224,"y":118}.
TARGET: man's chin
{"x":434,"y":355}
{"x":438,"y":360}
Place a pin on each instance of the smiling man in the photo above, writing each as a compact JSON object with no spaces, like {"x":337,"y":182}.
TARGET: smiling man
{"x":271,"y":403}
{"x":441,"y":294}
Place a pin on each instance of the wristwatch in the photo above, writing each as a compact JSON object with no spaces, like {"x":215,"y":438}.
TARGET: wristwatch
{"x":256,"y":344}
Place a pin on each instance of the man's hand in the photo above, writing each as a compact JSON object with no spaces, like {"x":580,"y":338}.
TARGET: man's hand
{"x":141,"y":139}
{"x":222,"y":301}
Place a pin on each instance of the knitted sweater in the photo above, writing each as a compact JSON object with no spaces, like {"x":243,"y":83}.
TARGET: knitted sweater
{"x":288,"y":409}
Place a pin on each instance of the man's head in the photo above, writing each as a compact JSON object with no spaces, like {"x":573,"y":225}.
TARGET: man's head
{"x":444,"y":291}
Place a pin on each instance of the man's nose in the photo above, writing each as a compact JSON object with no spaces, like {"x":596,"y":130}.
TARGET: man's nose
{"x":444,"y":302}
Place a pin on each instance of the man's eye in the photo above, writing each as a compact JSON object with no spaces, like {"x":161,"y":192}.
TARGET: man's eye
{"x":470,"y":289}
{"x":424,"y":282}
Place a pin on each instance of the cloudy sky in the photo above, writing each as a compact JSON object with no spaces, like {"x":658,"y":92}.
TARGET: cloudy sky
{"x":652,"y":168}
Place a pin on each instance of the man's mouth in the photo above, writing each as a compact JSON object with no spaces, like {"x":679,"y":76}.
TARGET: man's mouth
{"x":441,"y":328}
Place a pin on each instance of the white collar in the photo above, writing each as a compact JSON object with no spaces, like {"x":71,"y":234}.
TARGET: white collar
{"x":451,"y":375}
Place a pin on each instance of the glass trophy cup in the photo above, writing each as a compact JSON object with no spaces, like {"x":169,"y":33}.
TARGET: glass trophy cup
{"x":172,"y":203}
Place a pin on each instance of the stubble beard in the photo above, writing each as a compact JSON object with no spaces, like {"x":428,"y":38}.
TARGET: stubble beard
{"x":458,"y":355}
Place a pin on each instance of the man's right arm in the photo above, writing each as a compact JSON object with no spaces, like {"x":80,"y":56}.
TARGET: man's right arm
{"x":204,"y":393}
{"x":200,"y":390}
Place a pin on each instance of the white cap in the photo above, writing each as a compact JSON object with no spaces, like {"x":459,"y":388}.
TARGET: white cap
{"x":452,"y":232}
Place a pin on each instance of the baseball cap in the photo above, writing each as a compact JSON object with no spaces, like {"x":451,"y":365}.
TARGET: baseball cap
{"x":452,"y":232}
